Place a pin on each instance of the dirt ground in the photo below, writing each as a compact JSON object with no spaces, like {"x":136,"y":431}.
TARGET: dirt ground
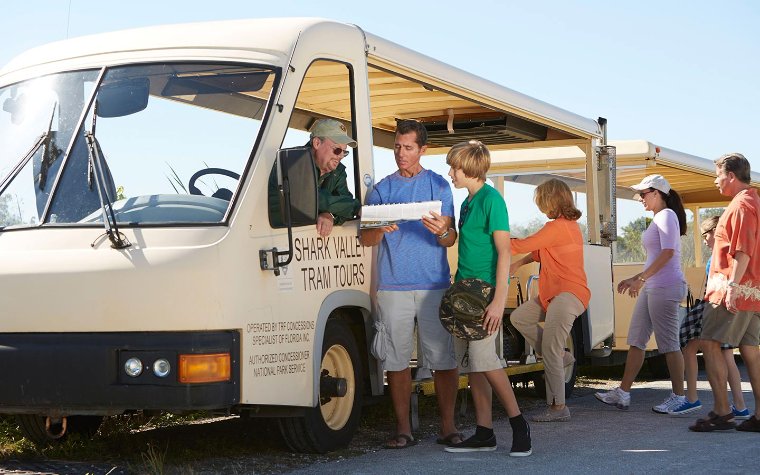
{"x":244,"y":446}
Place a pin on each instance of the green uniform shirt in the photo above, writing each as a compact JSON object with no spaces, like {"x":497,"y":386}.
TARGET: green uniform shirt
{"x":333,"y":196}
{"x":485,"y":213}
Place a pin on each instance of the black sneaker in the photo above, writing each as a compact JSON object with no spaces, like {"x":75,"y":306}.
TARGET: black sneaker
{"x":521,"y":446}
{"x":474,"y":445}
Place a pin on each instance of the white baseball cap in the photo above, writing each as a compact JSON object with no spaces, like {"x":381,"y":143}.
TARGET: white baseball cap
{"x":657,"y":182}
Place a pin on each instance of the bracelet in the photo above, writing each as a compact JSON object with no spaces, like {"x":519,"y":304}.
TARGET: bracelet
{"x":444,"y":234}
{"x":641,"y":278}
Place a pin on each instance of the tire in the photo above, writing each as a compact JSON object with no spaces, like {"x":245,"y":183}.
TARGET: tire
{"x":574,"y":345}
{"x":658,"y":366}
{"x":332,"y":424}
{"x":33,"y":427}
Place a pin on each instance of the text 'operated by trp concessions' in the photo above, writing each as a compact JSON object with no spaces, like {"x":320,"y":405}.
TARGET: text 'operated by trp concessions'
{"x":269,"y":338}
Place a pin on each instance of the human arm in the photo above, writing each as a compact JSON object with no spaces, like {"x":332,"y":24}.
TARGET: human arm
{"x":551,"y":234}
{"x":633,"y":285}
{"x":526,"y":259}
{"x":666,"y":224}
{"x":495,"y":310}
{"x":373,"y":236}
{"x":336,"y":199}
{"x":442,"y":227}
{"x":741,"y":261}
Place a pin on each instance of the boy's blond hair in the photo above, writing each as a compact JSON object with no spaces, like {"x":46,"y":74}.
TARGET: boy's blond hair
{"x":472,"y":157}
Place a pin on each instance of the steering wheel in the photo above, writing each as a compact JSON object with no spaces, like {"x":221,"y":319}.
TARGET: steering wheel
{"x":222,"y":193}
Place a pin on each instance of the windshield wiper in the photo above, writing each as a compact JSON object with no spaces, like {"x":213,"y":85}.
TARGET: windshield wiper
{"x":118,"y":240}
{"x":50,"y":153}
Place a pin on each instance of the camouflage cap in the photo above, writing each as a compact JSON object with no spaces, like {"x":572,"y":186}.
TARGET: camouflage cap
{"x":463,"y":306}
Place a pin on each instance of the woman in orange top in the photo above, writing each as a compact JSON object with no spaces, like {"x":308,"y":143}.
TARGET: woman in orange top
{"x":562,"y":290}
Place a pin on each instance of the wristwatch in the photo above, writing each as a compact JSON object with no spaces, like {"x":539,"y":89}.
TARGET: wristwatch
{"x":444,"y":234}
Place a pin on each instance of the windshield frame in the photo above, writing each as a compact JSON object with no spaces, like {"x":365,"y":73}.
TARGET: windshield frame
{"x":44,"y":221}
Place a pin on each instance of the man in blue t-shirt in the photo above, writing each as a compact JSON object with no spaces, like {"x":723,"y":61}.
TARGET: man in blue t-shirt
{"x":412,"y":278}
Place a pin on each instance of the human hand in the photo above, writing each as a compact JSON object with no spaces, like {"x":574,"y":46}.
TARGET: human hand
{"x":435,"y":224}
{"x":632,"y":286}
{"x":388,"y":229}
{"x":324,"y":224}
{"x":513,"y":268}
{"x":492,"y":318}
{"x":731,"y":297}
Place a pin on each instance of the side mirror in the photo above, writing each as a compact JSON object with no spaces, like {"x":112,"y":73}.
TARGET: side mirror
{"x":298,"y":180}
{"x":123,"y":98}
{"x":298,"y":202}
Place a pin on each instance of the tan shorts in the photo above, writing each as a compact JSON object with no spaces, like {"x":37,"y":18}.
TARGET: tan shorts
{"x":735,"y":329}
{"x":478,"y":355}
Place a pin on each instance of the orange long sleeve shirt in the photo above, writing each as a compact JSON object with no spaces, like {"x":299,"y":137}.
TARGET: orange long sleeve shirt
{"x":558,"y":246}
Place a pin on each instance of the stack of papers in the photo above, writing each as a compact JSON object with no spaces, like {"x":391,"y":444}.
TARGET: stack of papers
{"x":374,"y":216}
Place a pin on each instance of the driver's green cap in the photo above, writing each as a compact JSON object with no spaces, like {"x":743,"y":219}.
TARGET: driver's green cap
{"x":333,"y":130}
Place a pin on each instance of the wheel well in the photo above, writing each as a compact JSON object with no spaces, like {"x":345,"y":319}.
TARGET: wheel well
{"x":354,"y":318}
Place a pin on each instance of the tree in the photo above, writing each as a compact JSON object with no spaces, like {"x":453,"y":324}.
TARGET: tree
{"x":629,"y":247}
{"x":7,"y":217}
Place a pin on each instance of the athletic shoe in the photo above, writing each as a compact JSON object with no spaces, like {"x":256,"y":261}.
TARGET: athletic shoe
{"x":521,"y":446}
{"x":671,"y":402}
{"x":685,"y":407}
{"x":740,"y":415}
{"x":617,"y":397}
{"x":550,"y":415}
{"x":473,"y":445}
{"x":752,"y":424}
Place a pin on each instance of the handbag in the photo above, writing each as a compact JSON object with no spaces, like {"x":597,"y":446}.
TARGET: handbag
{"x":463,"y":308}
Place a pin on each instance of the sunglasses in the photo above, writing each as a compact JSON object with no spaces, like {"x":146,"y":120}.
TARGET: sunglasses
{"x":642,"y":194}
{"x":340,"y":152}
{"x":463,"y":214}
{"x":707,"y":233}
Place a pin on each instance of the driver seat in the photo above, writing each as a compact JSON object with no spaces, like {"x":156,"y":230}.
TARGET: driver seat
{"x":222,"y":194}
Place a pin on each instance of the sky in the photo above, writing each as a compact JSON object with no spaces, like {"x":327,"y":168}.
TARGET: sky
{"x":683,"y":75}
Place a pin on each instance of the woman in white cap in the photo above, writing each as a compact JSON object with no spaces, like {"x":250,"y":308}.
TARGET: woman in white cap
{"x":660,"y":287}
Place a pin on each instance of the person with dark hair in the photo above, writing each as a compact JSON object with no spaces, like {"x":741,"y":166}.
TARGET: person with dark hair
{"x":732,"y":309}
{"x":413,"y":275}
{"x":563,"y":292}
{"x":660,"y":288}
{"x":484,"y":255}
{"x":691,"y":329}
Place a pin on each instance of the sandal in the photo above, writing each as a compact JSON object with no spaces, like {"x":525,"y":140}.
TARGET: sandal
{"x":750,"y":425}
{"x":449,"y":440}
{"x":400,"y":441}
{"x":714,"y":422}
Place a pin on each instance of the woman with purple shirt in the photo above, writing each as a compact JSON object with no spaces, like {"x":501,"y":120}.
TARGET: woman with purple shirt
{"x":660,"y":288}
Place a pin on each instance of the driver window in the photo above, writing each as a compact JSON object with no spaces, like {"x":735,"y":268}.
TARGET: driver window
{"x":325,"y":100}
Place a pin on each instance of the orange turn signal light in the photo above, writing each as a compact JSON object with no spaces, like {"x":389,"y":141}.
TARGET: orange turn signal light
{"x":209,"y":368}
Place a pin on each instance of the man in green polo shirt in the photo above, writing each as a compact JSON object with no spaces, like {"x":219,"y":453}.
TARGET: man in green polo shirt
{"x":329,"y":143}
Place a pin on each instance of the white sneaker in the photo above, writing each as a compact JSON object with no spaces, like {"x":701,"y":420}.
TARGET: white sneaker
{"x":672,"y":402}
{"x":616,"y":397}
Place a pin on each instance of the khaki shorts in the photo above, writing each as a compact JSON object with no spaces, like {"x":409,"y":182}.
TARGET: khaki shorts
{"x":398,"y":310}
{"x":735,"y":329}
{"x":477,"y":356}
